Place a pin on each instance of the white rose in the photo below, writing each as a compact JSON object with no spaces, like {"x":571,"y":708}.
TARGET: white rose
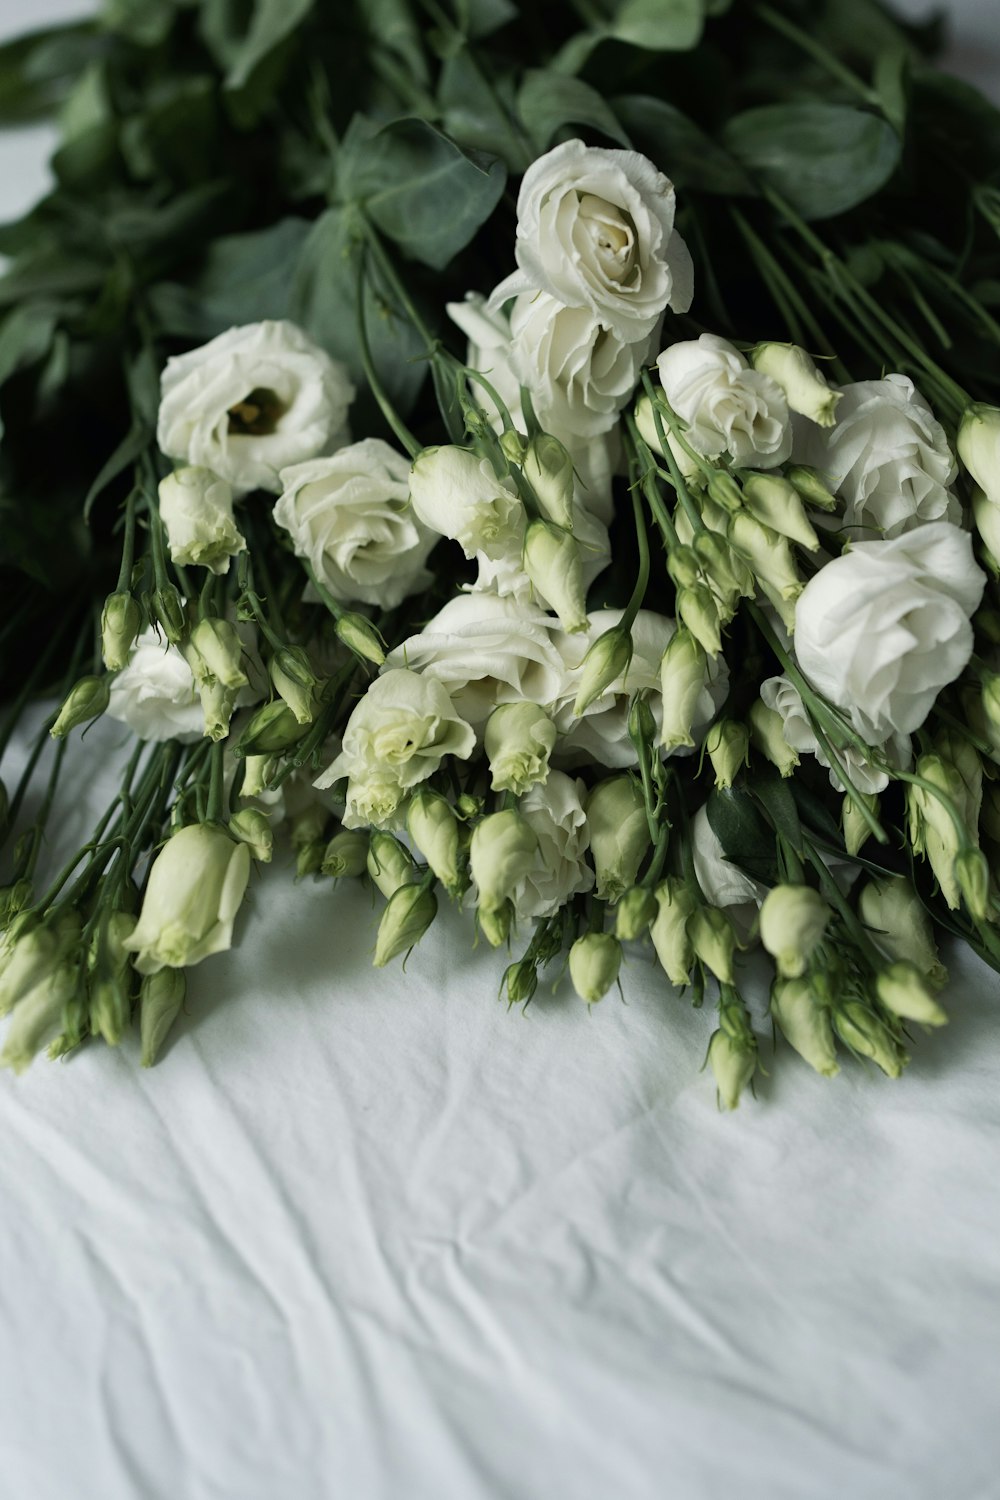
{"x":486,"y":650}
{"x":251,"y":402}
{"x":196,"y":507}
{"x":595,"y":230}
{"x":882,"y":629}
{"x":887,"y":456}
{"x":349,"y":517}
{"x":155,"y":694}
{"x":727,"y":406}
{"x":555,"y":814}
{"x":781,"y":695}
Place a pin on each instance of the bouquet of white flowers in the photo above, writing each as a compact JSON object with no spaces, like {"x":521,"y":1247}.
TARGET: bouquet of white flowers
{"x":665,"y":618}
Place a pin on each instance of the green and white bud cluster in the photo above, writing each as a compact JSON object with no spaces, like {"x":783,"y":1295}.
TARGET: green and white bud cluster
{"x":732,"y":1050}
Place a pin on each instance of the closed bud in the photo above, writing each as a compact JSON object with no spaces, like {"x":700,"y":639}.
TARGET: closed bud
{"x":217,"y":705}
{"x":767,"y":734}
{"x":512,"y":445}
{"x":979,"y":447}
{"x":684,"y":567}
{"x":168,"y":606}
{"x":503,"y":849}
{"x":812,"y":489}
{"x":411,"y":910}
{"x":468,"y":807}
{"x":699,"y":611}
{"x":215,"y":651}
{"x":775,"y":503}
{"x":675,"y":905}
{"x":38,"y":1014}
{"x":857,"y":829}
{"x":733,"y":1061}
{"x":519,"y":738}
{"x":990,"y":698}
{"x":434,"y":829}
{"x":635,"y":912}
{"x":646,"y":424}
{"x":714,"y":941}
{"x":121,"y":621}
{"x":548,"y":468}
{"x":360,"y":636}
{"x":309,"y":859}
{"x":109,"y":1008}
{"x":552,"y":561}
{"x":594,"y":961}
{"x":495,"y":925}
{"x":619,"y":834}
{"x":972,"y":873}
{"x":251,"y":827}
{"x":195,"y":888}
{"x":160,"y":1000}
{"x":520,"y":981}
{"x":13,"y":900}
{"x":683,"y":676}
{"x":30,"y":951}
{"x":727,"y":743}
{"x":861,"y":1030}
{"x":86,"y":700}
{"x":389,"y":864}
{"x":986,"y":514}
{"x":728,"y":574}
{"x":903,"y":991}
{"x":806,"y":390}
{"x":805,"y":1024}
{"x":196,"y":507}
{"x":768,"y":553}
{"x":272,"y":728}
{"x":724,"y":491}
{"x":793,"y":920}
{"x":258,"y":774}
{"x":346,"y":854}
{"x":606,"y":662}
{"x":294,"y":680}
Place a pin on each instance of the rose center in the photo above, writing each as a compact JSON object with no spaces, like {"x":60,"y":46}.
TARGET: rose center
{"x":257,"y":415}
{"x":612,"y":235}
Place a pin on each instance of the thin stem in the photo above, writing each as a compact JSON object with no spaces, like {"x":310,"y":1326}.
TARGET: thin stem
{"x":378,"y":390}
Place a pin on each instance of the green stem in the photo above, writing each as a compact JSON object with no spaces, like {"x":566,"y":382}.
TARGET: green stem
{"x":378,"y":390}
{"x":818,"y":53}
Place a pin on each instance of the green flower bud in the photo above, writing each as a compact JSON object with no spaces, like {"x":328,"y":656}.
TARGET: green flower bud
{"x":308,"y":824}
{"x":986,"y":514}
{"x":683,"y":675}
{"x":110,"y":1000}
{"x":857,"y":831}
{"x":723,"y":489}
{"x":110,"y":1008}
{"x":512,"y":445}
{"x":217,"y":705}
{"x":38,"y":1014}
{"x":86,"y":700}
{"x":520,"y":981}
{"x":811,"y":487}
{"x":636,"y":910}
{"x":699,"y":611}
{"x":619,"y":834}
{"x":294,"y":680}
{"x":768,"y":553}
{"x":646,"y":424}
{"x":728,"y":574}
{"x":775,"y":503}
{"x":168,"y":606}
{"x":902,"y":990}
{"x":767,"y":734}
{"x":713,"y":940}
{"x":641,"y":724}
{"x":273,"y":728}
{"x":733,"y":1061}
{"x":684,"y":566}
{"x":548,"y":468}
{"x":607,"y":661}
{"x":503,"y":849}
{"x":360,"y":636}
{"x":793,"y":920}
{"x":389,"y":864}
{"x":309,"y":859}
{"x":435,"y":831}
{"x":806,"y":390}
{"x":861,"y":1030}
{"x":495,"y":925}
{"x":727,"y":743}
{"x":410,"y":912}
{"x":468,"y":807}
{"x":979,"y":447}
{"x":972,"y":874}
{"x":251,"y":827}
{"x":259,"y":772}
{"x":160,"y":999}
{"x":346,"y":855}
{"x":519,"y":738}
{"x":30,"y":952}
{"x":676,"y":904}
{"x":594,"y":961}
{"x":13,"y":900}
{"x":552,"y":561}
{"x":215,"y":651}
{"x":900,"y":925}
{"x":805,"y":1024}
{"x":194,"y":891}
{"x":121,"y":621}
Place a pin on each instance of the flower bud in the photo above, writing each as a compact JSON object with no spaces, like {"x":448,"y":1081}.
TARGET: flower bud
{"x":215,"y":651}
{"x":733,"y":1062}
{"x":346,"y":855}
{"x":902,"y":990}
{"x":636,"y":910}
{"x":767,"y":734}
{"x":217,"y":705}
{"x":699,"y":611}
{"x":861,"y":1030}
{"x":503,"y":849}
{"x":168,"y":606}
{"x":806,"y":390}
{"x":272,"y":728}
{"x":986,"y":514}
{"x":552,"y":561}
{"x":793,"y":920}
{"x":196,"y":507}
{"x":769,"y":555}
{"x":713,"y":940}
{"x":390,"y":865}
{"x":641,"y":724}
{"x":607,"y":660}
{"x":805,"y":1024}
{"x":258,"y":775}
{"x":519,"y":738}
{"x":932,"y":829}
{"x":360,"y":636}
{"x":468,"y":807}
{"x":520,"y":981}
{"x":775,"y":503}
{"x":30,"y":951}
{"x":728,"y":574}
{"x":495,"y":925}
{"x":857,"y":830}
{"x":411,"y":910}
{"x":160,"y":999}
{"x":434,"y":829}
{"x":121,"y":621}
{"x":594,"y":961}
{"x":548,"y":468}
{"x":684,"y":567}
{"x":979,"y":447}
{"x":619,"y":834}
{"x":195,"y":888}
{"x":512,"y":445}
{"x":646,"y":424}
{"x":972,"y":873}
{"x":111,"y":967}
{"x":86,"y":700}
{"x":294,"y":680}
{"x":38,"y":1014}
{"x":683,"y":673}
{"x":724,"y":491}
{"x":250,"y":826}
{"x":676,"y":904}
{"x":727,"y":743}
{"x":812,"y":489}
{"x":13,"y":900}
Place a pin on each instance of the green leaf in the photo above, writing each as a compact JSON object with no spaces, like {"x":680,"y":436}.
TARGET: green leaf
{"x":822,"y":158}
{"x":273,"y":21}
{"x":549,"y":101}
{"x":127,"y":452}
{"x":26,"y":336}
{"x":244,"y":279}
{"x":679,"y":147}
{"x":37,"y":70}
{"x":418,"y":186}
{"x":478,"y":18}
{"x":775,"y":796}
{"x":743,"y":832}
{"x":482,"y":118}
{"x":659,"y":25}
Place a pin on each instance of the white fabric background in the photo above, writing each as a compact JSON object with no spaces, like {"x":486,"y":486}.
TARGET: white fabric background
{"x":373,"y":1238}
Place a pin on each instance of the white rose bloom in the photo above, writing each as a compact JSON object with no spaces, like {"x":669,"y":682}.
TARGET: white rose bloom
{"x":727,"y":405}
{"x":722,"y":883}
{"x":155,"y":694}
{"x":196,"y":507}
{"x":251,"y":402}
{"x":882,"y":629}
{"x":887,"y":455}
{"x":349,"y":517}
{"x":781,"y":695}
{"x":600,"y":734}
{"x":595,"y":230}
{"x":486,"y":650}
{"x":555,"y":814}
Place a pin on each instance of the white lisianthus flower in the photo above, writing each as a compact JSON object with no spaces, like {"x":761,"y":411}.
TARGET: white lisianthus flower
{"x":251,"y":402}
{"x":595,"y":230}
{"x":556,"y":816}
{"x":156,"y":694}
{"x":456,"y":493}
{"x":397,"y":736}
{"x":728,"y":407}
{"x":196,"y":507}
{"x":887,"y":456}
{"x":486,"y":650}
{"x":508,"y":574}
{"x":882,"y":629}
{"x":781,"y":695}
{"x":195,"y":888}
{"x":349,"y":517}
